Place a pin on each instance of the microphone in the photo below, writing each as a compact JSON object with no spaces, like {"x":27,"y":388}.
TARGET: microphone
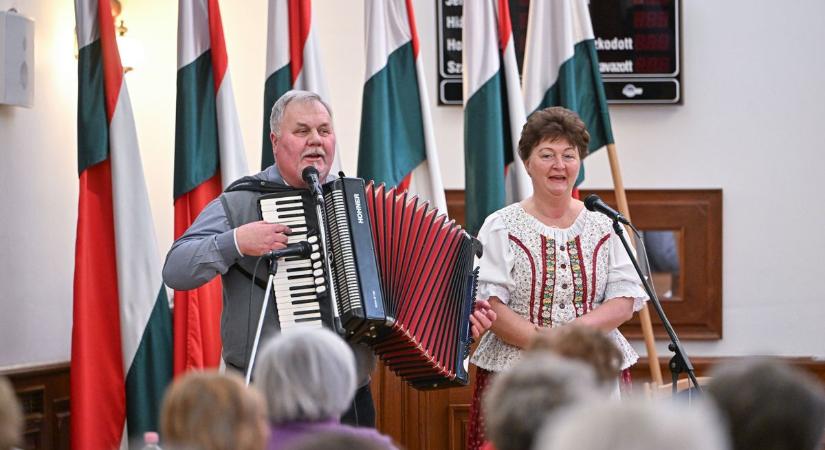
{"x":302,"y":249}
{"x":594,"y":203}
{"x":310,"y":176}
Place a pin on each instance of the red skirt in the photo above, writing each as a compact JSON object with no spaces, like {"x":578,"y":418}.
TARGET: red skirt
{"x":475,"y":426}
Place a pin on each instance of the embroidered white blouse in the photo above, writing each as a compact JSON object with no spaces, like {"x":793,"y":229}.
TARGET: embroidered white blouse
{"x":551,"y":275}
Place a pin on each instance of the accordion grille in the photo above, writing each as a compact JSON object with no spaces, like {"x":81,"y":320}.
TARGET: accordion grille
{"x":343,"y":259}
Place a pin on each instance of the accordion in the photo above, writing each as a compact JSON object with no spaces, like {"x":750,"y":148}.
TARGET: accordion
{"x":403,"y":276}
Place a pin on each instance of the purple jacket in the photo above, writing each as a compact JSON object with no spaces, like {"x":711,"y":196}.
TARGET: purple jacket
{"x":289,"y":433}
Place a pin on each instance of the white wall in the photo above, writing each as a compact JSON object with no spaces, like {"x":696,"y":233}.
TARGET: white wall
{"x":749,"y":125}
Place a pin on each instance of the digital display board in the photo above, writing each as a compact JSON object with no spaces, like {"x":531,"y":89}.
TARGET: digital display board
{"x":637,"y":42}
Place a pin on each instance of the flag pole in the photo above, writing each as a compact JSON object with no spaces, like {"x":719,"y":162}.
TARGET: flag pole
{"x":644,"y":314}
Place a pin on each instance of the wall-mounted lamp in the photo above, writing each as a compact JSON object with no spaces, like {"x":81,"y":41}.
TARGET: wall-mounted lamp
{"x":131,"y":52}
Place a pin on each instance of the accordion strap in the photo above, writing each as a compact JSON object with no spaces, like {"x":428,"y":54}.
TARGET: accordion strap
{"x":258,"y":185}
{"x":250,"y":184}
{"x":258,"y":282}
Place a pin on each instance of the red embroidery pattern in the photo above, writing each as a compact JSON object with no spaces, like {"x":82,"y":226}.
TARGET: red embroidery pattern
{"x":593,"y":275}
{"x":532,"y":275}
{"x":549,"y":261}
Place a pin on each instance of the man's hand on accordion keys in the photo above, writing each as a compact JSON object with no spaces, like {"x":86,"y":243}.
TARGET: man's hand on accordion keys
{"x":482,"y":318}
{"x":259,"y":238}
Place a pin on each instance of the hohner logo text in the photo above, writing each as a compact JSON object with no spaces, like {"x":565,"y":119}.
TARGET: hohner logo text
{"x":358,"y":212}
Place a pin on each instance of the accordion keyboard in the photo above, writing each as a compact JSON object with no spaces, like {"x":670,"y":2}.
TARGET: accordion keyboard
{"x":299,"y":282}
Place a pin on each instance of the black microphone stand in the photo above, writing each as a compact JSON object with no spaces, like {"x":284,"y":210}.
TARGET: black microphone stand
{"x":679,"y":362}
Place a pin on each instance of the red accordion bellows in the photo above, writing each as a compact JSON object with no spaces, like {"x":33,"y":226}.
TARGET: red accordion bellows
{"x":428,"y":284}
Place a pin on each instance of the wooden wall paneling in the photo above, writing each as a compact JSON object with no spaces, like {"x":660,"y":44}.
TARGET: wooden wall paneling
{"x":43,"y":392}
{"x":697,"y":214}
{"x":421,"y":419}
{"x":61,"y":438}
{"x":704,"y":366}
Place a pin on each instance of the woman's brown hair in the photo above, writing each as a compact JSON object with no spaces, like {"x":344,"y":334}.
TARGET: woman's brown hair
{"x":211,"y":411}
{"x":551,"y":124}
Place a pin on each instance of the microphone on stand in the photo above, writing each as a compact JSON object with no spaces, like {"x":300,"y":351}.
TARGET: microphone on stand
{"x":302,"y":249}
{"x":594,"y":203}
{"x":311,"y":178}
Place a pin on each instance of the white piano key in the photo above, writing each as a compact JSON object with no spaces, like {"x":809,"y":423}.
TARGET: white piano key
{"x":286,"y":310}
{"x":289,"y":317}
{"x":285,"y":291}
{"x":295,"y":238}
{"x":300,"y":299}
{"x":287,"y":327}
{"x":287,"y":276}
{"x":284,"y":265}
{"x":290,"y":221}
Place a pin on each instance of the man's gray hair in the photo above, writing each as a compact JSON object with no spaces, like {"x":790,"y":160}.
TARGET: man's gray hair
{"x":306,"y":375}
{"x":519,"y":399}
{"x":294,"y":95}
{"x":634,"y":424}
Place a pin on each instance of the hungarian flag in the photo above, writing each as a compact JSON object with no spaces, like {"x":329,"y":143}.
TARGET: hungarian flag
{"x":209,"y":155}
{"x":493,"y":112}
{"x":397,"y":144}
{"x":122,"y":330}
{"x":561,"y":67}
{"x":292,"y":62}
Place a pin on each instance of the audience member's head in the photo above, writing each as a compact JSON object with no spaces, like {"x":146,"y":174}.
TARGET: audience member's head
{"x":11,"y":417}
{"x":332,"y":440}
{"x":211,"y":411}
{"x":635,"y":424}
{"x":306,"y":375}
{"x":586,"y":344}
{"x":769,"y":405}
{"x":519,"y":400}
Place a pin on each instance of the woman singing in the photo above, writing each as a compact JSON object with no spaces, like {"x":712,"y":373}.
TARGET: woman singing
{"x":547,"y":260}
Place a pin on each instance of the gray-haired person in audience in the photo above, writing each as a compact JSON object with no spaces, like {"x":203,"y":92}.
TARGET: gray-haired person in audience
{"x":769,"y":405}
{"x":521,"y":398}
{"x":634,"y":424}
{"x":11,"y":417}
{"x":308,"y":379}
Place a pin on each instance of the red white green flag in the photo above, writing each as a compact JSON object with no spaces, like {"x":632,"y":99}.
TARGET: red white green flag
{"x":122,"y":332}
{"x":493,"y":112}
{"x":561,"y":67}
{"x":397,"y":142}
{"x":209,"y":155}
{"x":292,"y":62}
